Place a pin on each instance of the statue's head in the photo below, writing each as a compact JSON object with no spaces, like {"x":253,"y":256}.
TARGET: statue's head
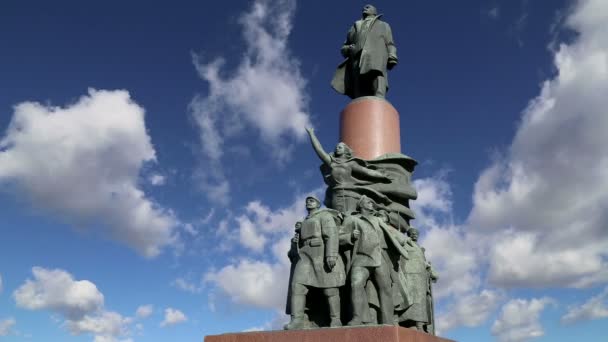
{"x":298,"y":225}
{"x":369,"y":10}
{"x":312,"y":203}
{"x":343,"y":150}
{"x":413,"y":233}
{"x":366,"y":203}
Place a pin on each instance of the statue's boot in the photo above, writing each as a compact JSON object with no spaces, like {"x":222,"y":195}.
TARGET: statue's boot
{"x":298,"y":318}
{"x":334,"y":311}
{"x":420,"y":326}
{"x":359,"y":302}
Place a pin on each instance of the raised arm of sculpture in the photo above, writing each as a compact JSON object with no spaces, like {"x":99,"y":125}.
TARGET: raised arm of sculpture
{"x":316,"y":145}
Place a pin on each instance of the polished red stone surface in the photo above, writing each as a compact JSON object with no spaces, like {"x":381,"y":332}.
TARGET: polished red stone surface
{"x":370,"y":126}
{"x":356,"y":334}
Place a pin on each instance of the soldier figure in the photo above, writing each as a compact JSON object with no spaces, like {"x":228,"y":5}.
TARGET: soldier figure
{"x":319,"y":265}
{"x":371,"y":238}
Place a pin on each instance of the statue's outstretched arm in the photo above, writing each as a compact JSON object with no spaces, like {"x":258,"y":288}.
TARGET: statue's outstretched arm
{"x":316,"y":145}
{"x":369,"y":172}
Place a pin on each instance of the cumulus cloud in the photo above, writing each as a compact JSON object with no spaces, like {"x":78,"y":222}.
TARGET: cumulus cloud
{"x":106,"y":325}
{"x":548,"y":192}
{"x":519,"y":320}
{"x":6,"y":325}
{"x":78,"y":301}
{"x":265,"y":93}
{"x":594,"y":308}
{"x":144,"y":311}
{"x":56,"y":290}
{"x":256,"y":283}
{"x":173,"y":317}
{"x":470,"y":310}
{"x":82,"y":162}
{"x":259,"y":220}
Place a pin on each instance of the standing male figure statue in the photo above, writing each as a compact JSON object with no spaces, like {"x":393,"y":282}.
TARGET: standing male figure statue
{"x":369,"y":51}
{"x":418,"y":275}
{"x":319,"y":265}
{"x":371,"y":239}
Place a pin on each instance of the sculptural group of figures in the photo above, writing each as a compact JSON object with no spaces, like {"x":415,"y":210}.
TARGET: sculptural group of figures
{"x":358,"y":262}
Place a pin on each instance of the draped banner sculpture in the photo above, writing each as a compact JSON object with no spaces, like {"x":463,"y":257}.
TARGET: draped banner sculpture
{"x":358,"y":261}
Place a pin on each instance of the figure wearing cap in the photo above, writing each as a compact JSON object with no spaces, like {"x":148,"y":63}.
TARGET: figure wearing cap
{"x":319,"y":265}
{"x":372,"y":241}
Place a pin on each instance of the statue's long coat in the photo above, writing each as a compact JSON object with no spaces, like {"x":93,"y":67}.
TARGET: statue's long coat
{"x":319,"y":239}
{"x":373,"y":51}
{"x":417,"y":278}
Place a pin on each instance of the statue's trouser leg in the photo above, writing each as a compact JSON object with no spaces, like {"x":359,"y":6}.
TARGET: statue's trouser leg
{"x":380,"y":86}
{"x":333,"y":301}
{"x":382,"y":279}
{"x":298,"y":300}
{"x":358,"y":279}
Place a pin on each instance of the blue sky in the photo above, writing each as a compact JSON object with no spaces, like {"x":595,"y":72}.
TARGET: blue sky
{"x":153,"y":161}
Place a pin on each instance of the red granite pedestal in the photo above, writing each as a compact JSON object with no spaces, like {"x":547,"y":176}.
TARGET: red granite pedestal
{"x":370,"y":126}
{"x":354,"y":334}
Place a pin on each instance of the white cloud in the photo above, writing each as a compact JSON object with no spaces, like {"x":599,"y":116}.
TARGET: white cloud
{"x":144,"y":311}
{"x":106,"y":326}
{"x":470,"y":310}
{"x":548,"y":192}
{"x":157,"y":179}
{"x":256,"y":283}
{"x":173,"y":317}
{"x":83,"y":161}
{"x":56,"y":290}
{"x":266,"y":93}
{"x":6,"y":325}
{"x":449,"y":247}
{"x":78,"y":301}
{"x":519,"y":320}
{"x":595,"y":308}
{"x":186,"y":285}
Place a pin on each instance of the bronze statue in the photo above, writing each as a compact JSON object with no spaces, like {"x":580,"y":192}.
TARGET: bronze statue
{"x":369,"y":51}
{"x":318,"y":267}
{"x":418,"y":275}
{"x":371,"y":239}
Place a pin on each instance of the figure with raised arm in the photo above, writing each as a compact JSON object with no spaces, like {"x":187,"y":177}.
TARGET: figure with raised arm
{"x":346,"y":176}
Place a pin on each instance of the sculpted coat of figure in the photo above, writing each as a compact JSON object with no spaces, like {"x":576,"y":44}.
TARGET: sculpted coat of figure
{"x":369,"y":50}
{"x":318,"y":266}
{"x":371,"y":238}
{"x":418,"y":275}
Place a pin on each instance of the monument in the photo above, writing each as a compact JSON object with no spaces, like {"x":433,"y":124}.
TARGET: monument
{"x":358,"y":272}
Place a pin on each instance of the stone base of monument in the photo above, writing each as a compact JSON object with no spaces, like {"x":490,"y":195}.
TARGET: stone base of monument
{"x":370,"y":126}
{"x":354,"y":334}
